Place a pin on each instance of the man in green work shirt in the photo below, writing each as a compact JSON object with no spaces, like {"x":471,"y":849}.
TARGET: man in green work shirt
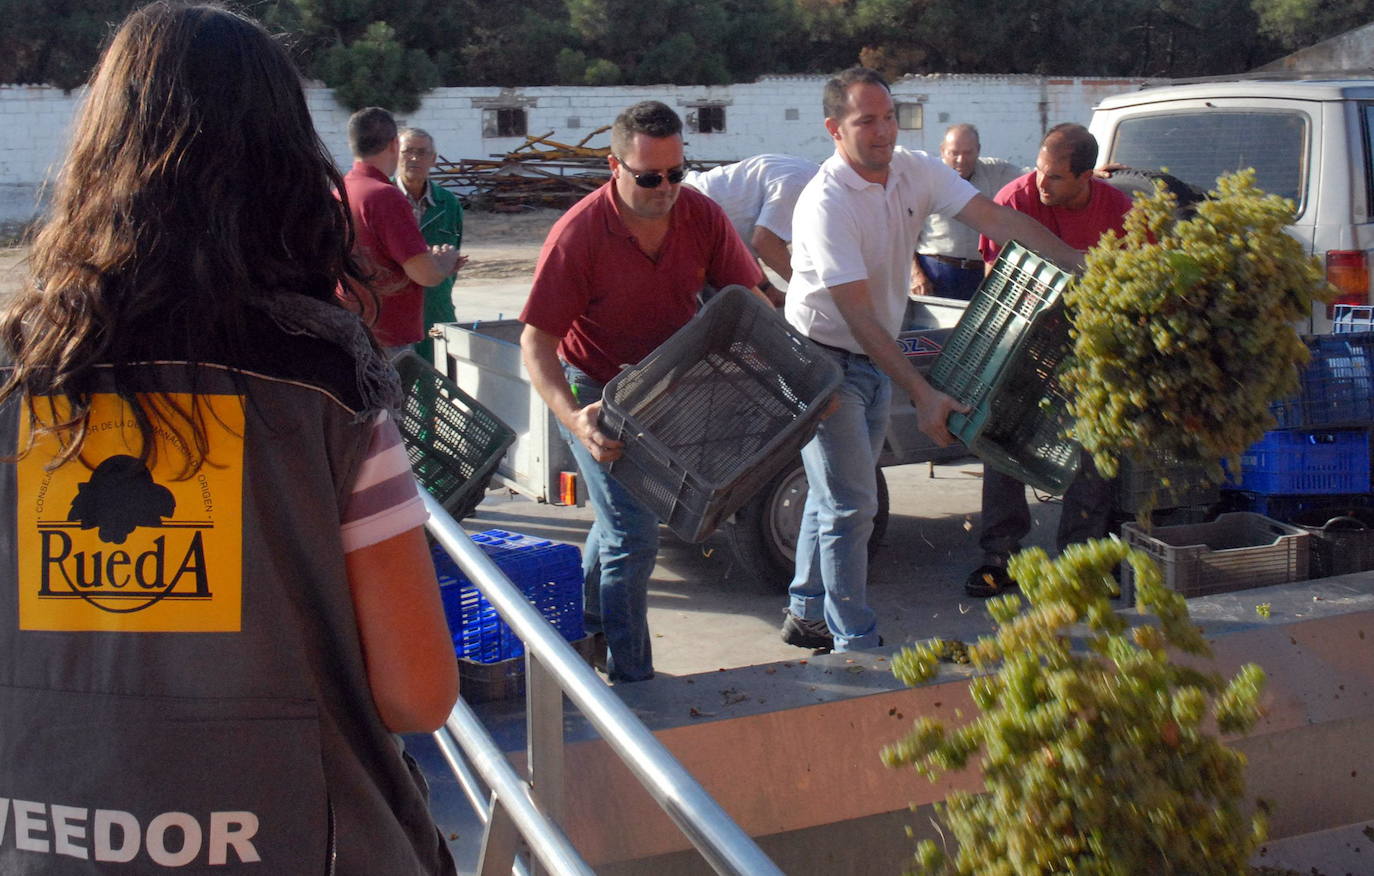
{"x":439,"y":216}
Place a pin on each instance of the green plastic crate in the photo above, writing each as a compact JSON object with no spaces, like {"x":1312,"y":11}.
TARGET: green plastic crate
{"x":454,"y":443}
{"x":1002,"y":360}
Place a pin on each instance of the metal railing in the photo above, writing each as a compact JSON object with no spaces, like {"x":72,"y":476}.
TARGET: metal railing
{"x":531,"y":809}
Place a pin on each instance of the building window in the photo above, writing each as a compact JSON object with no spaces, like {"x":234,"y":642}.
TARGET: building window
{"x":910,"y":116}
{"x":503,"y":122}
{"x":791,"y":115}
{"x":707,"y":119}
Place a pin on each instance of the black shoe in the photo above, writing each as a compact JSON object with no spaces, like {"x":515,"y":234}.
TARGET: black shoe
{"x":813,"y":634}
{"x":986,"y":581}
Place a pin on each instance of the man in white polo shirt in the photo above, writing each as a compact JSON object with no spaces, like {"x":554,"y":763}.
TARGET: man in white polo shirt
{"x":854,"y":231}
{"x":759,"y":194}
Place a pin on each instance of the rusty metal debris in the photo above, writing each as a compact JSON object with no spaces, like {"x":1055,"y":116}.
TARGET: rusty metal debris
{"x":541,"y":172}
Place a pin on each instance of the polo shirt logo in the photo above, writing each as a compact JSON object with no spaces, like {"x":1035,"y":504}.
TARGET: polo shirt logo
{"x":120,"y":547}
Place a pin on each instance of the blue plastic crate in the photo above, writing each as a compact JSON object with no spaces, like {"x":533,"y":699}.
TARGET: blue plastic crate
{"x":548,"y":573}
{"x":1289,"y":461}
{"x":1336,"y":387}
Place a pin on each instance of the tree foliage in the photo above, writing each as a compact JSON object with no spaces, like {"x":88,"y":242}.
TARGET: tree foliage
{"x":1297,"y":23}
{"x":56,"y":42}
{"x":392,"y":50}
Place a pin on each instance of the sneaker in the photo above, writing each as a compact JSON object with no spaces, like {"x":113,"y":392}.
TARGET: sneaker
{"x":804,"y":633}
{"x":986,"y":581}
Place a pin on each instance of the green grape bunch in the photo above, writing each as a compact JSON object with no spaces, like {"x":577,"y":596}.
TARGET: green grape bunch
{"x":1096,"y":759}
{"x":1184,"y":331}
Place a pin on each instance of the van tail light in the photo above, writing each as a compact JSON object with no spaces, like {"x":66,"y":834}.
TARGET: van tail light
{"x":1348,"y":271}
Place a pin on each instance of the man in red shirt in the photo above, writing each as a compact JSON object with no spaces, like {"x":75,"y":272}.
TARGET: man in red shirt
{"x":389,"y":245}
{"x":618,"y":274}
{"x":1063,"y":195}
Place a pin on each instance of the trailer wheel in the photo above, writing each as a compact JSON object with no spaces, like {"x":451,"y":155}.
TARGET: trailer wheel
{"x":763,"y":534}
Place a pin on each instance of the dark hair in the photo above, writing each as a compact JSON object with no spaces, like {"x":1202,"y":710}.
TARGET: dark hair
{"x":370,"y":130}
{"x":1080,"y":145}
{"x":648,"y":117}
{"x":835,"y":99}
{"x":194,"y":184}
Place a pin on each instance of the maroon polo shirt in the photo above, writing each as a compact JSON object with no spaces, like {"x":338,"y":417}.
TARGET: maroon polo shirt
{"x":1081,"y":229}
{"x":609,"y":302}
{"x":386,"y":238}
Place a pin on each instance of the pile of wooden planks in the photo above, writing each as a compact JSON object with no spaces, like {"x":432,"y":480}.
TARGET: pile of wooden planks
{"x":541,"y":172}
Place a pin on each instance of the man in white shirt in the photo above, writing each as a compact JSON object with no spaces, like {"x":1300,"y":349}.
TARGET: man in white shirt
{"x":947,"y":262}
{"x":758,"y":195}
{"x":854,"y":231}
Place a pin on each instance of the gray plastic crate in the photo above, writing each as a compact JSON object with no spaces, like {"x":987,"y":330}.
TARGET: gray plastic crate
{"x":1237,"y":551}
{"x":719,"y":408}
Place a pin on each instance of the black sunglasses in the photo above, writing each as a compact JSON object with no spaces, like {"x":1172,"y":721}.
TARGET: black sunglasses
{"x":655,"y":179}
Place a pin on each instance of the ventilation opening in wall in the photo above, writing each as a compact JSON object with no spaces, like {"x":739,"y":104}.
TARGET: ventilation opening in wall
{"x":910,"y":116}
{"x":706,"y":119}
{"x":503,"y":122}
{"x":791,"y":115}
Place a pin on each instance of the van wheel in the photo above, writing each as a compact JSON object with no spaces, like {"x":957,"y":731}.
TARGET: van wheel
{"x":763,"y":534}
{"x":1130,"y":180}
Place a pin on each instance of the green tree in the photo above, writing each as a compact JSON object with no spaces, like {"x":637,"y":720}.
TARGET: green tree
{"x":524,"y":47}
{"x":55,"y":42}
{"x":1294,"y":24}
{"x":376,"y":70}
{"x":372,"y":52}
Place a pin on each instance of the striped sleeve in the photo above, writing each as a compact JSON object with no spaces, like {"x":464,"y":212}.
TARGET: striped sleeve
{"x":384,"y":502}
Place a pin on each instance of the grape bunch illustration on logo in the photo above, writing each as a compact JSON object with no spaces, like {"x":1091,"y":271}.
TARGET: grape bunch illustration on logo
{"x":120,"y":497}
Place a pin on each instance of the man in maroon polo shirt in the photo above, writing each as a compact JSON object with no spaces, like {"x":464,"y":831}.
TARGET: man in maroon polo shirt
{"x":618,"y":274}
{"x":389,"y":245}
{"x":1063,"y":195}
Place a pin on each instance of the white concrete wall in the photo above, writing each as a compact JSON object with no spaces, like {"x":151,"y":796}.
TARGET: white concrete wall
{"x":774,"y":114}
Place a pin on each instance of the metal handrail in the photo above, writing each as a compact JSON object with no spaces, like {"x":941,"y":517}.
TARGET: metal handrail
{"x":556,"y":669}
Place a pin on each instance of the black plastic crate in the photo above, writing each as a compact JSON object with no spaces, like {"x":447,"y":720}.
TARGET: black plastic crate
{"x":1342,"y":539}
{"x":505,"y":679}
{"x":1289,"y":508}
{"x":454,"y":443}
{"x":719,"y":408}
{"x":1172,"y":484}
{"x":1003,"y":360}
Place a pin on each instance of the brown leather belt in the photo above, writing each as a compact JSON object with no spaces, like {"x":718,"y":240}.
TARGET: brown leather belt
{"x":963,"y":264}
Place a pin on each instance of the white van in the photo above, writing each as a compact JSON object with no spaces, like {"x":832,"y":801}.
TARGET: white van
{"x":1308,"y":140}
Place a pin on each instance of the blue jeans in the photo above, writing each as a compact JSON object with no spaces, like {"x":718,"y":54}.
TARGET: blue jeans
{"x":831,"y":579}
{"x":618,"y":558}
{"x":951,"y":281}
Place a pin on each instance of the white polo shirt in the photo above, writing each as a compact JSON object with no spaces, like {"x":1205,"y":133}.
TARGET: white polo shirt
{"x":846,"y":229}
{"x":761,"y":190}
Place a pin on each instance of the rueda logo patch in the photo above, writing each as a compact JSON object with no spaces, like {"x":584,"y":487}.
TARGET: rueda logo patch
{"x":113,"y":545}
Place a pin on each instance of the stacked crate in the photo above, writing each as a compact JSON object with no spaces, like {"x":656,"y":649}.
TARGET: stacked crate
{"x":1314,"y":470}
{"x":490,"y":655}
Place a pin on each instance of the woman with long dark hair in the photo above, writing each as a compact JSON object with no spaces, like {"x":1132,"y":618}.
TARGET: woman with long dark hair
{"x":217,"y":605}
